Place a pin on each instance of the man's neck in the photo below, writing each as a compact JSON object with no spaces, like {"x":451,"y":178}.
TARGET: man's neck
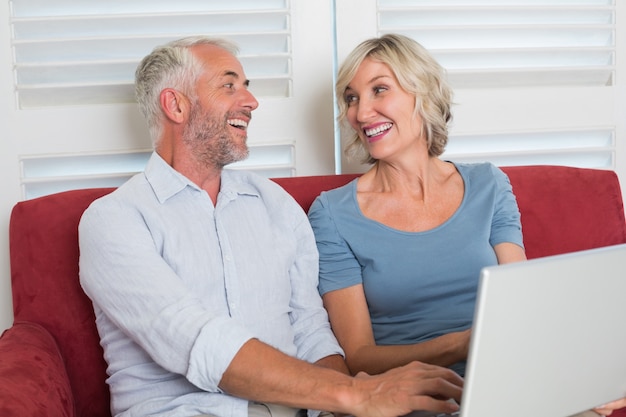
{"x":206,"y":177}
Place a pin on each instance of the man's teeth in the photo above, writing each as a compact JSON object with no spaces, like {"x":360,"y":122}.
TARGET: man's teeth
{"x":378,"y":129}
{"x":238,"y":123}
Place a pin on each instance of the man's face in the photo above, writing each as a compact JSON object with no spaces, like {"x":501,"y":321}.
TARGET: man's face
{"x":216,"y":130}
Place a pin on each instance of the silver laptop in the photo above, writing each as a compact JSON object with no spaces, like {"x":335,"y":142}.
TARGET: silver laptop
{"x":549,"y":337}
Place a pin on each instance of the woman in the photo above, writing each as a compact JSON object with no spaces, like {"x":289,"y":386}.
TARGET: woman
{"x":401,"y":247}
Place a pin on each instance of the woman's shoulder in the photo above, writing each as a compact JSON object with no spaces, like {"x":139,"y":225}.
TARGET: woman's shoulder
{"x":339,"y":194}
{"x":337,"y":200}
{"x":485,"y":171}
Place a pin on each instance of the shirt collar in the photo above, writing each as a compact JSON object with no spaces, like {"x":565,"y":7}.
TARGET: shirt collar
{"x":167,"y":182}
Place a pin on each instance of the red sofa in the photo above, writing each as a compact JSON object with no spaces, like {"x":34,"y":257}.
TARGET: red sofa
{"x":50,"y":359}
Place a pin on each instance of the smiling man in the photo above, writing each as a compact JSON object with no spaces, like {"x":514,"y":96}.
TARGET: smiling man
{"x":204,"y":280}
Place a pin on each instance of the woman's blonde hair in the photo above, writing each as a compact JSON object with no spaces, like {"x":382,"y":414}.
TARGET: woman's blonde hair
{"x":417,"y":73}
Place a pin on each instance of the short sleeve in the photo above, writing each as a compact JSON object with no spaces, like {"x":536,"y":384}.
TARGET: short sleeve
{"x":339,"y":268}
{"x":506,"y":223}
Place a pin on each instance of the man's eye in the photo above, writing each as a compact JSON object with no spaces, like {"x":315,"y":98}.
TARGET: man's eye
{"x":229,"y":85}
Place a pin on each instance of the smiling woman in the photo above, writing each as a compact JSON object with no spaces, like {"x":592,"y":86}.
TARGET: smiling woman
{"x":401,"y":247}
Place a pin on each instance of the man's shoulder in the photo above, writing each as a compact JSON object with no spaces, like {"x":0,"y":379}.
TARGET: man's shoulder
{"x":127,"y":194}
{"x":254,"y":183}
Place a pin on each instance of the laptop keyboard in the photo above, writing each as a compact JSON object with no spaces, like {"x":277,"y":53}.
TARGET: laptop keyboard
{"x":432,"y":414}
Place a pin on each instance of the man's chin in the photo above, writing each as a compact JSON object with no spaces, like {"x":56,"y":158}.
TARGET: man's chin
{"x":239,"y":156}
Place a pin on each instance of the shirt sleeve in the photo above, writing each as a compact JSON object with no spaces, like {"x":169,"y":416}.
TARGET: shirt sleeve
{"x":506,"y":224}
{"x":338,"y":265}
{"x":127,"y":279}
{"x":312,"y":333}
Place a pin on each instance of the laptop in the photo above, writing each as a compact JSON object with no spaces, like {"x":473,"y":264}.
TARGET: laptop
{"x":549,"y":336}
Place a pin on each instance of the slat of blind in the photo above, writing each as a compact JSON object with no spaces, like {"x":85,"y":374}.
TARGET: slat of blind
{"x":533,"y":77}
{"x":71,"y":53}
{"x":592,"y":158}
{"x":507,"y":37}
{"x":30,"y":8}
{"x":46,"y":174}
{"x":570,"y":57}
{"x":473,"y":13}
{"x":491,"y":3}
{"x":506,"y":43}
{"x":584,"y":148}
{"x":65,"y":94}
{"x":69,"y":27}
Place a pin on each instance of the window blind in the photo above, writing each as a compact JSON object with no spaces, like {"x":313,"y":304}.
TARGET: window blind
{"x":71,"y":52}
{"x":534,"y":79}
{"x":521,"y":43}
{"x":75,"y":53}
{"x":592,"y":148}
{"x":46,"y":174}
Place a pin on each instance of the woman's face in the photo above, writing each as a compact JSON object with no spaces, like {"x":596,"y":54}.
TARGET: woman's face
{"x":381,"y":112}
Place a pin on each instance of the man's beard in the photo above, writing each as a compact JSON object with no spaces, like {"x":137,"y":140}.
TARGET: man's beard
{"x":211,"y":141}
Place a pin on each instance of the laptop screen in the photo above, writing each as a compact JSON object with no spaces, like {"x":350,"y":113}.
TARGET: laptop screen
{"x":549,"y":336}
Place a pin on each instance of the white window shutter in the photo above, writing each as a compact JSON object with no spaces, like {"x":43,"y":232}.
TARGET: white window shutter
{"x":71,"y":52}
{"x":74,"y":64}
{"x":511,"y":43}
{"x":534,"y":80}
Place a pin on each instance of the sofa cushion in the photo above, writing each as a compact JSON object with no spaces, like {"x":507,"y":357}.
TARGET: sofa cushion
{"x":33,"y":376}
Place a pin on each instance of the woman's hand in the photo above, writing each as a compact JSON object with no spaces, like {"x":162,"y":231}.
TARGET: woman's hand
{"x":607,"y":409}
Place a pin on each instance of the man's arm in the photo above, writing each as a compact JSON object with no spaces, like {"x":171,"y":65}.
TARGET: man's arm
{"x":261,"y":373}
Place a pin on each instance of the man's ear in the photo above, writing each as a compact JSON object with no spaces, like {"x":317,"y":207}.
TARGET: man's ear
{"x":175,"y":105}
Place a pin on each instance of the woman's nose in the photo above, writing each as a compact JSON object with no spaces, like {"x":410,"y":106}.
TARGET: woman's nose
{"x":364,"y":110}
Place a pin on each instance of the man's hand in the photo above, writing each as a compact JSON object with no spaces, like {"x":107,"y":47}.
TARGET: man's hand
{"x":416,"y":386}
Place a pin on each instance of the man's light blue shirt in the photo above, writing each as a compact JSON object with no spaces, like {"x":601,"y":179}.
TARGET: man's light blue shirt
{"x":179,"y":285}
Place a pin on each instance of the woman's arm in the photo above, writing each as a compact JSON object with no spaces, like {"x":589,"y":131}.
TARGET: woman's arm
{"x":607,"y":410}
{"x":509,"y":252}
{"x":350,"y":320}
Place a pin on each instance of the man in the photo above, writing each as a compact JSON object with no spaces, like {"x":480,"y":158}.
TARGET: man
{"x":204,"y":280}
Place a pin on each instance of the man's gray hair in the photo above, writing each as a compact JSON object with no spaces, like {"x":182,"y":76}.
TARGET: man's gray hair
{"x":170,"y":66}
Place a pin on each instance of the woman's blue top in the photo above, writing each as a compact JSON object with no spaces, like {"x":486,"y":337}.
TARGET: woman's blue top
{"x":418,"y":285}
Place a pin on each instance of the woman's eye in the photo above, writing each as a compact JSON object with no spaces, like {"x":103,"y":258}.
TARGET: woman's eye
{"x":229,"y":85}
{"x":350,"y":98}
{"x":379,"y":89}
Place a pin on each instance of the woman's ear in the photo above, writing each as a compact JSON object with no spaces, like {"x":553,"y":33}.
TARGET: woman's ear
{"x":175,"y":105}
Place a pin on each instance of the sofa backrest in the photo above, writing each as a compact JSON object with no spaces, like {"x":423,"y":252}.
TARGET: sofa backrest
{"x":563,"y":210}
{"x":567,"y":209}
{"x":43,"y":241}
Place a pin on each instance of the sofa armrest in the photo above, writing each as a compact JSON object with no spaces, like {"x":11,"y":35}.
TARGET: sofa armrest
{"x":33,"y":380}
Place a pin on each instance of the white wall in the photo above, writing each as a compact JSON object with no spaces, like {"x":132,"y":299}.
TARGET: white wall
{"x":9,"y":169}
{"x":620,"y":99}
